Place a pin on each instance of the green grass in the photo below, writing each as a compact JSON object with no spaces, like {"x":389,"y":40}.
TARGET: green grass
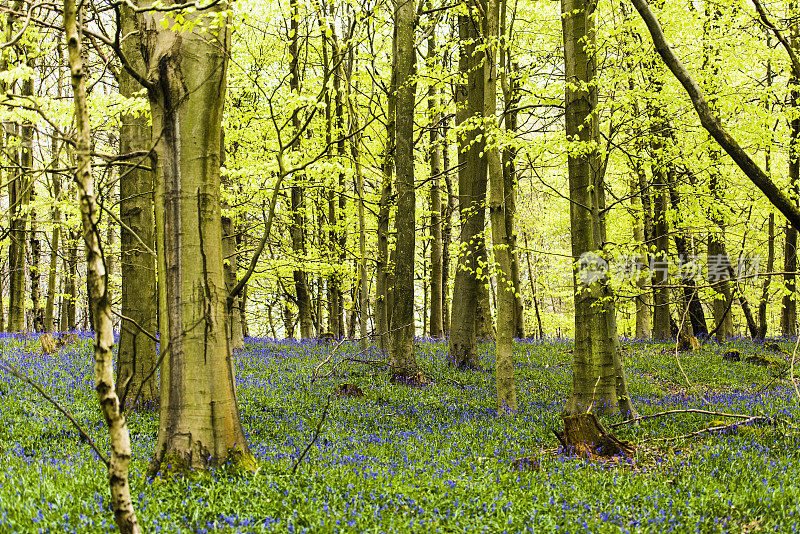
{"x":419,"y":460}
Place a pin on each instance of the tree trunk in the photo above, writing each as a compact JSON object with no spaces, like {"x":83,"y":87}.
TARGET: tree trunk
{"x":447,"y":231}
{"x":501,"y":238}
{"x":598,"y":375}
{"x":764,"y":301}
{"x":643,"y":299}
{"x":472,"y":182}
{"x":435,"y":327}
{"x":297,"y":229}
{"x":789,"y":304}
{"x":199,"y":424}
{"x":484,"y":320}
{"x":20,"y":160}
{"x":382,"y":265}
{"x":693,"y":307}
{"x":69,"y":300}
{"x":99,"y":297}
{"x":662,"y":169}
{"x":402,"y":336}
{"x":137,"y":359}
{"x":534,"y":296}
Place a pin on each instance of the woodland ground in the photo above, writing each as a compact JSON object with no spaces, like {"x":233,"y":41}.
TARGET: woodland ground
{"x":432,"y":459}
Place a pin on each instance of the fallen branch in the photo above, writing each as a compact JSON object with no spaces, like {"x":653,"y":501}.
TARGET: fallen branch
{"x":672,"y":412}
{"x":719,"y":428}
{"x":315,"y":437}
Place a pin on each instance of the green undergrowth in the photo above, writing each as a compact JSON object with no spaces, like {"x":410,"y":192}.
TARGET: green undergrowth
{"x":428,"y":459}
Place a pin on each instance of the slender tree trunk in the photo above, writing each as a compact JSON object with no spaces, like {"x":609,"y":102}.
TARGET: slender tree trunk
{"x":661,"y":168}
{"x":764,"y":301}
{"x":137,"y":359}
{"x":199,"y":424}
{"x":501,"y":239}
{"x":19,"y":187}
{"x":435,"y":327}
{"x":599,"y":382}
{"x":643,"y":300}
{"x":70,"y":292}
{"x":402,"y":335}
{"x":297,"y":229}
{"x":484,"y":320}
{"x":447,"y":231}
{"x":472,"y":182}
{"x":789,"y":304}
{"x":696,"y":317}
{"x":382,"y":265}
{"x":99,"y":297}
{"x":534,"y":296}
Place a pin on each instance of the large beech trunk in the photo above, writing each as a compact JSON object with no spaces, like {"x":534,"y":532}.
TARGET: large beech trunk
{"x":99,"y":297}
{"x":598,"y":373}
{"x":199,"y":423}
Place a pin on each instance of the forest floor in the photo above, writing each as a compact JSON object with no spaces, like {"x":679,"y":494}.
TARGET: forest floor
{"x":425,"y":459}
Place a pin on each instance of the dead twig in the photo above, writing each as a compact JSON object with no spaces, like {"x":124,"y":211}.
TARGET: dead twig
{"x":718,"y":428}
{"x":315,"y":437}
{"x":672,"y":412}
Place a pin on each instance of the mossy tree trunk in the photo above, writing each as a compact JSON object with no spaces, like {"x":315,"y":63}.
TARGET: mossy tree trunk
{"x":186,"y":75}
{"x":501,"y":239}
{"x":598,"y":374}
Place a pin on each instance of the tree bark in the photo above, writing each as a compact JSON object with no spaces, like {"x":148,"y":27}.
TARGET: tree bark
{"x":49,"y":309}
{"x":435,"y":327}
{"x":501,"y":238}
{"x":599,"y":380}
{"x":472,"y":182}
{"x":297,"y":229}
{"x":764,"y":301}
{"x":99,"y":297}
{"x":19,"y":188}
{"x":137,"y":357}
{"x":402,"y":335}
{"x":382,"y":265}
{"x":186,"y":72}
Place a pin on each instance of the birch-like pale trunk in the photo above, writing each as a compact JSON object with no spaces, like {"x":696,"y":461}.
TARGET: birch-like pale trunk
{"x":99,"y":298}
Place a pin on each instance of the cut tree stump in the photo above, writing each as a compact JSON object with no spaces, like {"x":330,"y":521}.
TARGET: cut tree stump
{"x":688,"y":343}
{"x":584,"y":435}
{"x":348,"y":390}
{"x":48,"y":343}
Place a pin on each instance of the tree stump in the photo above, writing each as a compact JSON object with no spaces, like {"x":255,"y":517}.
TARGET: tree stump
{"x":348,"y":390}
{"x":584,"y":435}
{"x":48,"y":343}
{"x":688,"y":343}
